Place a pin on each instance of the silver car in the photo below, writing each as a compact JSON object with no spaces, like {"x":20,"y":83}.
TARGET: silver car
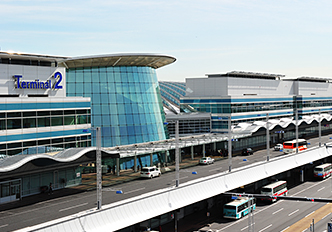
{"x":150,"y":172}
{"x":206,"y":160}
{"x":278,"y":147}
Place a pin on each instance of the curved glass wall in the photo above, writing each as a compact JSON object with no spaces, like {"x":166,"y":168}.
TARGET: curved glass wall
{"x":125,"y":102}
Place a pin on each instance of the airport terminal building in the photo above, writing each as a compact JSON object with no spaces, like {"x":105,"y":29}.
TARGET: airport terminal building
{"x":248,"y":98}
{"x":51,"y":103}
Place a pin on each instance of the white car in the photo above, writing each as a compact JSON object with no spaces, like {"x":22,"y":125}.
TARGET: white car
{"x":150,"y":172}
{"x":278,"y":147}
{"x":206,"y":160}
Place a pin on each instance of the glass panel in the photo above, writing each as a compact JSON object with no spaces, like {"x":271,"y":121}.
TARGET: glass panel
{"x":43,"y":122}
{"x":14,"y":115}
{"x":43,"y":113}
{"x":69,"y":120}
{"x":14,"y":145}
{"x":29,"y":122}
{"x":5,"y":190}
{"x":57,"y":121}
{"x":2,"y":124}
{"x":58,"y":112}
{"x":59,"y":140}
{"x":14,"y":124}
{"x":29,"y":114}
{"x":67,"y":112}
{"x":29,"y":144}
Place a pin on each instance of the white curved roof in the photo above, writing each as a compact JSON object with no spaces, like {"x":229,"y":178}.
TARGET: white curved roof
{"x":244,"y":128}
{"x":11,"y":163}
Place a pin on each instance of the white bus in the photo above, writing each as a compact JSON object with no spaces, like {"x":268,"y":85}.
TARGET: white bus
{"x":323,"y":171}
{"x":239,"y":207}
{"x":278,"y":188}
{"x":290,"y":146}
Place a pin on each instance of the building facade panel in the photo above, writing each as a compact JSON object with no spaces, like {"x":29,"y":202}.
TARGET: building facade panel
{"x":35,"y":114}
{"x":248,"y":97}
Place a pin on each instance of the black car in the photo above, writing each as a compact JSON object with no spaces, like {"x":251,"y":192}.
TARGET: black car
{"x":247,"y":151}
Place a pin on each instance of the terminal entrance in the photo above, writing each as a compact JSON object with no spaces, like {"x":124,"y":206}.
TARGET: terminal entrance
{"x":10,"y":190}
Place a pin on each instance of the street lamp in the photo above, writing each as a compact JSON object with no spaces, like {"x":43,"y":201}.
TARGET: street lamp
{"x":177,"y":166}
{"x":229,"y":144}
{"x":99,"y":175}
{"x":297,"y":128}
{"x":320,"y":130}
{"x":98,"y":166}
{"x":267,"y":137}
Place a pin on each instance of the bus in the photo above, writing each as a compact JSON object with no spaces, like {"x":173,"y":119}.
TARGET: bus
{"x":239,"y":207}
{"x":290,"y":146}
{"x":323,"y":171}
{"x":278,"y":188}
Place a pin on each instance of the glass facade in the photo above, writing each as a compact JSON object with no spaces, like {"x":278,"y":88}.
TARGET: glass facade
{"x":42,"y":127}
{"x":125,"y":102}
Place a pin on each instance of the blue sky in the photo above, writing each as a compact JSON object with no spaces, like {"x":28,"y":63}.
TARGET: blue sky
{"x":291,"y":37}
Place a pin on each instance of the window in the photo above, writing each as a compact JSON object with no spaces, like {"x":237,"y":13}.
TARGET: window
{"x":44,"y":122}
{"x":29,"y":122}
{"x":57,"y":121}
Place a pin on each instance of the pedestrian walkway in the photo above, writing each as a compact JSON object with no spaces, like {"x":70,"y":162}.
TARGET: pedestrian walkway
{"x":109,"y":179}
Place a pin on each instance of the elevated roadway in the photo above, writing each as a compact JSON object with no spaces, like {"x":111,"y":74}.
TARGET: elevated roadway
{"x":142,"y":203}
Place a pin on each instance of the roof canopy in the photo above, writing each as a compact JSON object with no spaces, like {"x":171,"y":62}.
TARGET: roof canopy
{"x":149,"y":60}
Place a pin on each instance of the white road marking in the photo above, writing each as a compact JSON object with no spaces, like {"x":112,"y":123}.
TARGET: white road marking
{"x":277,"y":211}
{"x":181,"y":178}
{"x":285,"y":229}
{"x":215,"y":169}
{"x":3,"y":226}
{"x":309,"y":187}
{"x":134,"y":190}
{"x":75,"y":206}
{"x":325,"y":216}
{"x":244,"y":162}
{"x":320,"y":189}
{"x":265,"y":228}
{"x":293,"y":212}
{"x":310,"y":213}
{"x":244,"y":228}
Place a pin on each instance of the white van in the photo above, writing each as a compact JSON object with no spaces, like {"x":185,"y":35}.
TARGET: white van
{"x":150,"y":172}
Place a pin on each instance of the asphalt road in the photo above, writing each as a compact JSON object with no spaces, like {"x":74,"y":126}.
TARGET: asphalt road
{"x":17,"y":218}
{"x":281,"y":215}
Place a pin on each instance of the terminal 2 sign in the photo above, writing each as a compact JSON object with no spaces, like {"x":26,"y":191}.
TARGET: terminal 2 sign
{"x":37,"y":84}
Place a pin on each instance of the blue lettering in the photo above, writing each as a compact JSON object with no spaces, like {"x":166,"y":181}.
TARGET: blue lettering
{"x":37,"y":84}
{"x":47,"y":85}
{"x":18,"y":77}
{"x":33,"y":85}
{"x":23,"y":85}
{"x":57,"y":81}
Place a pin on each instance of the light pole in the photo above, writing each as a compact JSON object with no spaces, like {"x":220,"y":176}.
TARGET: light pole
{"x":229,"y":144}
{"x":251,"y":222}
{"x":98,"y":164}
{"x":267,"y":137}
{"x":320,"y":130}
{"x":177,"y":166}
{"x":297,"y":128}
